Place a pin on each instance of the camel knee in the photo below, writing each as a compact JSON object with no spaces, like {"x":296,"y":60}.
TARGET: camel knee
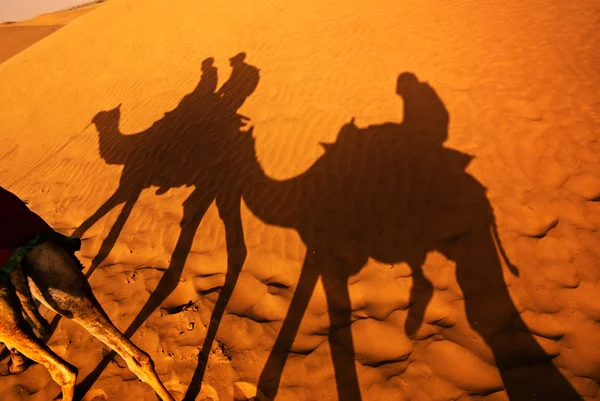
{"x":143,"y":367}
{"x":63,"y":374}
{"x":142,"y":363}
{"x":144,"y":360}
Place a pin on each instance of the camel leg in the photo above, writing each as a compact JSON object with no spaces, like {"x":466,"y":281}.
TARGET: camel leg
{"x":111,"y":239}
{"x":115,"y":199}
{"x":18,"y":362}
{"x":194,"y":209}
{"x":268,"y":383}
{"x":420,"y":294}
{"x":32,"y":314}
{"x":229,"y":210}
{"x":64,"y":287}
{"x":340,"y":335}
{"x":16,"y":333}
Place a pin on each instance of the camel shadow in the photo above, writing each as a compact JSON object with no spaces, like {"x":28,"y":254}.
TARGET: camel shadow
{"x":391,"y":192}
{"x":394,"y":193}
{"x":188,"y":146}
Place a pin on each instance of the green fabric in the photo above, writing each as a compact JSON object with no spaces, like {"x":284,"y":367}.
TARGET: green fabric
{"x":70,"y":244}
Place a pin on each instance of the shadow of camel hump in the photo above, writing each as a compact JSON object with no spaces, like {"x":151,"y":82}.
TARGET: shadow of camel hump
{"x":392,"y":192}
{"x":191,"y":145}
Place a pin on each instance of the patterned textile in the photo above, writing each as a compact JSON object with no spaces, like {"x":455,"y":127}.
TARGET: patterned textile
{"x":21,"y":230}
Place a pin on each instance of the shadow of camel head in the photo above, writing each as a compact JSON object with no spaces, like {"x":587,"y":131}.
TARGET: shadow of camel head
{"x":107,"y":116}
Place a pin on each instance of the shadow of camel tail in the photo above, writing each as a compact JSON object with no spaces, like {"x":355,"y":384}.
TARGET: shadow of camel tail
{"x":527,"y":370}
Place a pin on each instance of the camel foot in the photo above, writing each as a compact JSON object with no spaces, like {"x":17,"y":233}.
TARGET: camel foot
{"x":19,"y":365}
{"x":15,"y":364}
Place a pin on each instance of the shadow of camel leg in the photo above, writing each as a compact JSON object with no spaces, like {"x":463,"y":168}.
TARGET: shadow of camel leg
{"x":15,"y":332}
{"x":268,"y":383}
{"x":115,"y":199}
{"x":340,"y":336}
{"x":420,"y":295}
{"x":492,"y":313}
{"x":236,"y":255}
{"x":60,"y":283}
{"x":194,"y":209}
{"x":111,"y":239}
{"x":195,"y":206}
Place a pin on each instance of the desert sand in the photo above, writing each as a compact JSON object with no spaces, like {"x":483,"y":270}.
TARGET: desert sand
{"x":19,"y":35}
{"x":410,"y":211}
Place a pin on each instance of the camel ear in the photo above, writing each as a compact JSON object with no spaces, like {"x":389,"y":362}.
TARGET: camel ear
{"x":326,"y":146}
{"x":94,"y":119}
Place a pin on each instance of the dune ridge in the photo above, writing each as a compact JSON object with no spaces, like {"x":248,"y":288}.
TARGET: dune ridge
{"x":18,"y":36}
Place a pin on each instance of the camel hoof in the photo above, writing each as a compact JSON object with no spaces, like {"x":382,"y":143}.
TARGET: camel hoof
{"x":15,"y":369}
{"x":10,"y":368}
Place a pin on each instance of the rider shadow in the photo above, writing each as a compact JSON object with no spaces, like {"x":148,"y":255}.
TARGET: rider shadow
{"x":188,"y":146}
{"x":394,"y":193}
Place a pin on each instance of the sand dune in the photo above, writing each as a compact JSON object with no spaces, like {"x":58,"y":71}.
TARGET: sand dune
{"x":17,"y":36}
{"x":354,"y":237}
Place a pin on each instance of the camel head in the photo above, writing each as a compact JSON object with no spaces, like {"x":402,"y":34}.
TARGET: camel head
{"x":111,"y":141}
{"x":406,"y":84}
{"x":104,"y":118}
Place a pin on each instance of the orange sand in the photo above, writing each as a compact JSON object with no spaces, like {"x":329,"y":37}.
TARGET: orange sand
{"x":520,"y":82}
{"x":17,"y":36}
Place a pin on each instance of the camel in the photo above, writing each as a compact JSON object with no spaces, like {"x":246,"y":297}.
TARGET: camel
{"x":189,"y":136}
{"x":394,"y":193}
{"x":45,"y":268}
{"x":190,"y":146}
{"x":391,"y":192}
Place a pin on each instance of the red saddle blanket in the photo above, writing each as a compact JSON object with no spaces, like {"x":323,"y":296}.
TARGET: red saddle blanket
{"x":20,"y":230}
